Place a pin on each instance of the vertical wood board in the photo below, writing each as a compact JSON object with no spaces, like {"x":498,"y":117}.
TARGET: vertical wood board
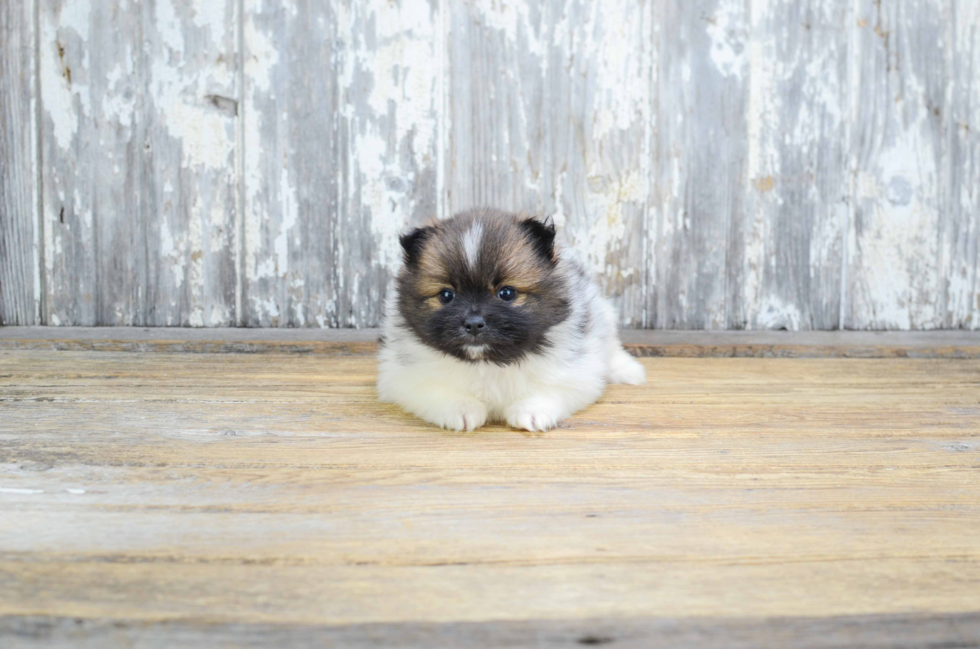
{"x":340,"y":151}
{"x":897,"y":146}
{"x":19,"y":278}
{"x":189,"y":109}
{"x":719,"y":164}
{"x":791,"y":239}
{"x":137,"y":139}
{"x":701,"y":158}
{"x":961,"y":231}
{"x":550,"y":111}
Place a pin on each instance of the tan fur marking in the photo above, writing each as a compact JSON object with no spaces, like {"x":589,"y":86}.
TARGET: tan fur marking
{"x":433,"y":303}
{"x":430,"y":285}
{"x":522,"y":268}
{"x":431,"y":261}
{"x":433,"y":272}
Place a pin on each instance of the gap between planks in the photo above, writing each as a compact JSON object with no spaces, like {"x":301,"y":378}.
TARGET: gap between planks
{"x":692,"y":344}
{"x":650,"y":633}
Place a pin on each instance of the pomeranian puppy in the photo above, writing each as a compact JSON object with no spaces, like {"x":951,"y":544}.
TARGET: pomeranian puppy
{"x":487,"y":321}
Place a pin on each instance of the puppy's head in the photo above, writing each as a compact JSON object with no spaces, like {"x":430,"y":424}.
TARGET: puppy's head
{"x":482,"y":286}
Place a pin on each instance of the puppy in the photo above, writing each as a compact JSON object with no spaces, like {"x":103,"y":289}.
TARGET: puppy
{"x":487,"y":321}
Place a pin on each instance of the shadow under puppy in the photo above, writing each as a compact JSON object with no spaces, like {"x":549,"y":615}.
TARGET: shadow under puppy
{"x":488,"y":321}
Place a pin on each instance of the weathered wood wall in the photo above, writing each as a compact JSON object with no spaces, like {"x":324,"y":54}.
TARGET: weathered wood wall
{"x":799,"y":164}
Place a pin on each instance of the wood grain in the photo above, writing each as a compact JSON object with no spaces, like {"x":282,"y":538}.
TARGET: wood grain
{"x":390,"y":72}
{"x":340,"y":155}
{"x":720,"y":164}
{"x":290,"y":246}
{"x":644,"y":343}
{"x":188,"y":183}
{"x":791,"y":242}
{"x":137,"y":136}
{"x":845,"y":632}
{"x":898,"y":150}
{"x":18,"y":167}
{"x":702,"y":147}
{"x":91,"y":144}
{"x":550,"y":109}
{"x":198,"y":489}
{"x":961,"y":228}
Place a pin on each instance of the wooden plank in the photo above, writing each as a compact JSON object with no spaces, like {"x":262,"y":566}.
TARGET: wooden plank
{"x":550,"y":113}
{"x":898,"y":107}
{"x":390,"y":69}
{"x":90,"y":147}
{"x":158,"y":489}
{"x":792,"y":237}
{"x":291,"y":247}
{"x":19,"y":279}
{"x":189,"y":96}
{"x":698,"y":344}
{"x":340,"y":156}
{"x":702,"y":152}
{"x":847,"y":632}
{"x":961,"y":227}
{"x":137,"y":136}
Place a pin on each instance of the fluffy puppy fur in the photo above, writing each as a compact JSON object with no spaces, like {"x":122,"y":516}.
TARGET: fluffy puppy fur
{"x":488,"y":321}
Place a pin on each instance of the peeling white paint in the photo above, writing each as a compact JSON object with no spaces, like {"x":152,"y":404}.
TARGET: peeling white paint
{"x":207,"y":136}
{"x":220,"y":316}
{"x":268,"y":306}
{"x":169,"y":26}
{"x":287,"y":196}
{"x":179,"y":88}
{"x":559,"y":215}
{"x":607,"y":230}
{"x":57,"y":94}
{"x":262,"y":54}
{"x":623,"y":95}
{"x":387,"y":220}
{"x":209,"y":15}
{"x":514,"y":20}
{"x":574,"y":86}
{"x":773,"y":313}
{"x":169,"y":252}
{"x":264,"y":269}
{"x":726,"y":29}
{"x":118,"y":105}
{"x":402,"y":110}
{"x":898,"y":244}
{"x":261,"y":59}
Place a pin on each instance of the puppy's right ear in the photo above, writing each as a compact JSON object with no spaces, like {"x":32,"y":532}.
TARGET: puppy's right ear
{"x":412,"y":244}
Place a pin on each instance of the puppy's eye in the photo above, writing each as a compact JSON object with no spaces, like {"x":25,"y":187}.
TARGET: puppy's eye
{"x":507,"y":293}
{"x":446,"y":296}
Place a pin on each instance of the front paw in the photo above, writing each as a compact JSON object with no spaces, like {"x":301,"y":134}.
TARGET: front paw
{"x":534,"y":415}
{"x":459,"y":415}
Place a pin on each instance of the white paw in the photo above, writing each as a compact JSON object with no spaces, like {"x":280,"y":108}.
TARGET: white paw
{"x":533,"y":415}
{"x":623,"y":368}
{"x":460,"y":415}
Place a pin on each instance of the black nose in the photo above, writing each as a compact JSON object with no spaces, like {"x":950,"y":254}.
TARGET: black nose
{"x":474,"y":324}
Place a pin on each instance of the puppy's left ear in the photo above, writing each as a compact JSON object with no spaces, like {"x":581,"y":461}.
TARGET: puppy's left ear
{"x":542,"y":236}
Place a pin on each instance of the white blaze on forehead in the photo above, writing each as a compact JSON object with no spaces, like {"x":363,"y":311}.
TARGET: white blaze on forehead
{"x":471,"y":243}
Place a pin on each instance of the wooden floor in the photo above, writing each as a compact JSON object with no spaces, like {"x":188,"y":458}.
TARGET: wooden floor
{"x":197,"y":499}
